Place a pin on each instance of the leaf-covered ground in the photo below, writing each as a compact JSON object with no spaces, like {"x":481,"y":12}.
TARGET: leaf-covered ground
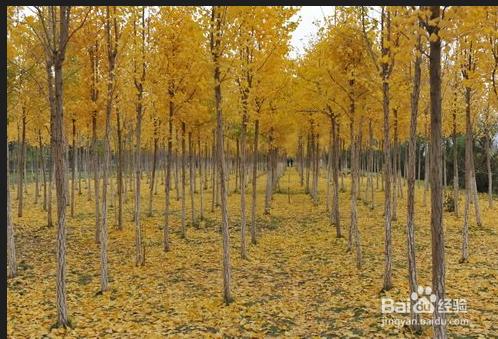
{"x":299,"y":280}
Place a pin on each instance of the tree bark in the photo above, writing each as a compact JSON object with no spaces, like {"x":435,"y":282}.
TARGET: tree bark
{"x":437,"y":230}
{"x":216,"y":35}
{"x":387,"y":284}
{"x":412,"y":149}
{"x":73,"y":168}
{"x":490,"y":173}
{"x":455,"y":164}
{"x":120,"y":170}
{"x":201,"y":177}
{"x":154,"y":162}
{"x":11,"y":245}
{"x":335,"y":175}
{"x":191,"y":153}
{"x":42,"y":159}
{"x":243,"y":250}
{"x":254,"y":181}
{"x":22,"y":161}
{"x":167,"y":186}
{"x":183,"y":204}
{"x":139,"y":86}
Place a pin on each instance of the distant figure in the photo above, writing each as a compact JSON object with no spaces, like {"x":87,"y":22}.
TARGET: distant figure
{"x":290,"y":162}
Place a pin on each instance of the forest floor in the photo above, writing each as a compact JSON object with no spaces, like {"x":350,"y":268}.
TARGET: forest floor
{"x":298,"y":281}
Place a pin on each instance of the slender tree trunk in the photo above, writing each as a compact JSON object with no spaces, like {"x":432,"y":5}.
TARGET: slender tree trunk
{"x":387,"y":285}
{"x":335,"y":175}
{"x":37,"y":176}
{"x":191,"y":153}
{"x":42,"y":159}
{"x":120,"y":170}
{"x":22,"y":161}
{"x":354,"y":232}
{"x":329,"y":193}
{"x":426,"y":172}
{"x":269,"y":176}
{"x":213,"y":176}
{"x":474,"y":187}
{"x":468,"y":178}
{"x":237,"y":165}
{"x":490,"y":173}
{"x":11,"y":245}
{"x":177,"y":168}
{"x":154,"y":162}
{"x":73,"y":169}
{"x":308,"y":161}
{"x":167,"y":186}
{"x":104,"y":279}
{"x":410,"y":226}
{"x":455,"y":165}
{"x":79,"y":161}
{"x":316,"y":171}
{"x":371,"y":164}
{"x":184,"y":227}
{"x":139,"y":251}
{"x":96,"y":178}
{"x":60,"y":175}
{"x":254,"y":181}
{"x":243,"y":250}
{"x":443,"y":150}
{"x":437,"y":230}
{"x":51,"y":174}
{"x":215,"y":50}
{"x":201,"y":176}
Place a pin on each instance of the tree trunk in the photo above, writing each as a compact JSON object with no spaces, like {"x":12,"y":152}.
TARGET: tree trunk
{"x":191,"y":153}
{"x":468,"y":177}
{"x":308,"y":161}
{"x":139,"y":253}
{"x":139,"y":85}
{"x":335,"y":175}
{"x":395,"y":177}
{"x":201,"y":177}
{"x":22,"y":160}
{"x":73,"y":168}
{"x":490,"y":174}
{"x":243,"y":250}
{"x":184,"y":227}
{"x":120,"y":171}
{"x":167,"y":186}
{"x":51,"y":174}
{"x":455,"y":165}
{"x":254,"y":180}
{"x":387,"y":284}
{"x":177,"y":168}
{"x":370,"y":164}
{"x":42,"y":159}
{"x":269,"y":176}
{"x":237,"y":165}
{"x":474,"y":187}
{"x":37,"y":175}
{"x":96,"y":178}
{"x":11,"y":245}
{"x":213,"y":176}
{"x":79,"y":159}
{"x":60,"y":175}
{"x":215,"y":50}
{"x":437,"y":230}
{"x":153,"y":175}
{"x":426,"y":172}
{"x":410,"y":226}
